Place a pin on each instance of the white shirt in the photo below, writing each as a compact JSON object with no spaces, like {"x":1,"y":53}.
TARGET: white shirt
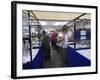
{"x":60,"y":38}
{"x":65,"y":45}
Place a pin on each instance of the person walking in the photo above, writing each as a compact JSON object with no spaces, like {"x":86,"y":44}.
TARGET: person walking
{"x":54,"y":40}
{"x":46,"y":45}
{"x":62,"y":43}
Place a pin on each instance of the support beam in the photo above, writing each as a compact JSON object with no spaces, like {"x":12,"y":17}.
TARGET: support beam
{"x":76,"y":18}
{"x":30,"y":38}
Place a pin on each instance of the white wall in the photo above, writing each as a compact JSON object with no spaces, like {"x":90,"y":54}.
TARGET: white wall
{"x":5,"y":40}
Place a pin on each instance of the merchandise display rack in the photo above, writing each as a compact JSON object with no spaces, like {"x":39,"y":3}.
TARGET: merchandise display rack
{"x":33,"y":31}
{"x":81,"y":31}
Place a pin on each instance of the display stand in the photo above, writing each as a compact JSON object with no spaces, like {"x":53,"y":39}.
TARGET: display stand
{"x":33,"y":36}
{"x":80,"y":26}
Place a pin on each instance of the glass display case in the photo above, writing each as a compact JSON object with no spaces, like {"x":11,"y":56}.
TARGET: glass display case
{"x":31,"y":29}
{"x":35,"y":37}
{"x":71,"y":31}
{"x":82,"y":33}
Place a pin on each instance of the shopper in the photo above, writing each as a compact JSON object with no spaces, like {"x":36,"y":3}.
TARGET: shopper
{"x":54,"y":40}
{"x":46,"y":46}
{"x":62,"y":43}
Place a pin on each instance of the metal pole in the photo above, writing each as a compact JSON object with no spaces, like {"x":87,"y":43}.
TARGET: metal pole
{"x":30,"y":37}
{"x":74,"y":35}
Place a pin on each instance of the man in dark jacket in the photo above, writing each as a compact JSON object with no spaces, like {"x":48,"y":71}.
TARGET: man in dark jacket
{"x":46,"y":46}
